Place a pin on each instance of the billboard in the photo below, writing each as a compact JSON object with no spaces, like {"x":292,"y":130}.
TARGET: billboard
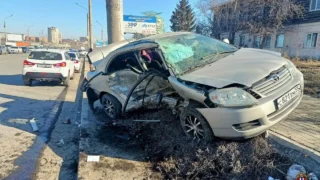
{"x":140,"y":24}
{"x":15,"y":37}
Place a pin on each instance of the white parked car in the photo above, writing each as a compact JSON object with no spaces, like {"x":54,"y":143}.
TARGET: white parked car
{"x":76,"y":59}
{"x":48,"y":65}
{"x":15,"y":50}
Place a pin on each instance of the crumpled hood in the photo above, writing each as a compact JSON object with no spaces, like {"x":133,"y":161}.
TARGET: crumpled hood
{"x":246,"y":66}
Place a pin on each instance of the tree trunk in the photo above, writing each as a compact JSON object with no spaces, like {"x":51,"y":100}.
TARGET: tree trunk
{"x":231,"y":37}
{"x":263,"y":41}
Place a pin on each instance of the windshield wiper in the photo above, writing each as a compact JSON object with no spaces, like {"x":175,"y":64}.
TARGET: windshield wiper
{"x":226,"y":52}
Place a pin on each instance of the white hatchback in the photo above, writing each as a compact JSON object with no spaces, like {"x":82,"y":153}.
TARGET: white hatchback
{"x":76,"y":59}
{"x":48,"y":65}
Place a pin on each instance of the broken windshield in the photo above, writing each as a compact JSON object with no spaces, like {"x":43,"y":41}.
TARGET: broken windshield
{"x":188,"y":51}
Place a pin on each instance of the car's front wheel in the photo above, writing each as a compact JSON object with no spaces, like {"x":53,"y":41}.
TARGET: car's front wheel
{"x":111,"y":106}
{"x":195,"y":126}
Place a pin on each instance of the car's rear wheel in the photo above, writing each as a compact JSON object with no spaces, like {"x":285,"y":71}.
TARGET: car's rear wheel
{"x":195,"y":126}
{"x":27,"y":82}
{"x":111,"y":106}
{"x":66,"y":81}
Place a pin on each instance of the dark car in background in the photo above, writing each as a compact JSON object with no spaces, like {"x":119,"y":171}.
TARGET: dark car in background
{"x":25,"y":49}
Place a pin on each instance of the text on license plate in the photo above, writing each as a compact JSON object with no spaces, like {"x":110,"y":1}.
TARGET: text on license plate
{"x":44,"y":65}
{"x":283,"y":100}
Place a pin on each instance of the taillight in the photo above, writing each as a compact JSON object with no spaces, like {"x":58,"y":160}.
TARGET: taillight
{"x":76,"y":61}
{"x":63,"y":64}
{"x":28,"y":63}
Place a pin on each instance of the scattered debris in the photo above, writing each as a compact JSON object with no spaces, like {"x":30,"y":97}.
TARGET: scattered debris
{"x":34,"y":125}
{"x":155,"y":121}
{"x":61,"y":142}
{"x":67,"y":121}
{"x":93,"y":158}
{"x":296,"y":171}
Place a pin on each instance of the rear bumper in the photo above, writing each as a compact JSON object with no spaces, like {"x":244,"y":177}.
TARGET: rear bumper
{"x":43,"y":76}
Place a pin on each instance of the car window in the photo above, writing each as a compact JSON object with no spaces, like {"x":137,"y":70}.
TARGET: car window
{"x":122,"y":62}
{"x":67,"y":56}
{"x":72,"y":55}
{"x":44,"y":55}
{"x":187,"y":51}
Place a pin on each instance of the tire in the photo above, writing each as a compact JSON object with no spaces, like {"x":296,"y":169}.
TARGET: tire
{"x":111,"y":106}
{"x":27,"y":82}
{"x":66,"y":82}
{"x":195,"y":126}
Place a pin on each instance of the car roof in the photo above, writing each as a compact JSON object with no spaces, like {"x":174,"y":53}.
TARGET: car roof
{"x":163,"y":35}
{"x":51,"y":50}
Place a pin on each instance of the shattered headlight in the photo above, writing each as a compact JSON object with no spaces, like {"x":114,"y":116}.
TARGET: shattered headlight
{"x":232,"y":97}
{"x":292,"y":68}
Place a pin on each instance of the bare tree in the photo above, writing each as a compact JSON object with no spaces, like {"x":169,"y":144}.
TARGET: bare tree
{"x":222,"y":16}
{"x":266,"y":17}
{"x":261,"y":17}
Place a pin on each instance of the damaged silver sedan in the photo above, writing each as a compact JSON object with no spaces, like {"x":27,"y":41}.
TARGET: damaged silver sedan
{"x":216,"y":89}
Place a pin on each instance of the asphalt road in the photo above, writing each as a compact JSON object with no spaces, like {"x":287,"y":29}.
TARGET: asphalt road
{"x":49,"y":103}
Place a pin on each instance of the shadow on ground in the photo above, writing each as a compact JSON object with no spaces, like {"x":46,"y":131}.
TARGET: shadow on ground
{"x":16,"y":80}
{"x":16,"y":113}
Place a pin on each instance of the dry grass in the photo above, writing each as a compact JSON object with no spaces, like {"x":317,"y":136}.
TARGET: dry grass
{"x":175,"y":157}
{"x":311,"y":72}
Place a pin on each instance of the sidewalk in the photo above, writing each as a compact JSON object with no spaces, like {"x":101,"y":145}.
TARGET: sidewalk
{"x":302,"y":126}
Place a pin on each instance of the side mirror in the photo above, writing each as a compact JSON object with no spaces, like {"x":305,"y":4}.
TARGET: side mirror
{"x":92,"y":68}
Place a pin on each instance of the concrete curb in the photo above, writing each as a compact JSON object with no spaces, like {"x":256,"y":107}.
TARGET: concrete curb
{"x":294,"y":145}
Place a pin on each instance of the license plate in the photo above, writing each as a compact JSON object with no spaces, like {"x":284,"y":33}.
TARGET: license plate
{"x":285,"y":99}
{"x":44,"y":65}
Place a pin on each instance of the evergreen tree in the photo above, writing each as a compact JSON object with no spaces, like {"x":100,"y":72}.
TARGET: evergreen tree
{"x":183,"y":17}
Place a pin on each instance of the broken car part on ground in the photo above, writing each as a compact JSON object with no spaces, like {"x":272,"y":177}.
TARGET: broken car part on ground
{"x":216,"y":89}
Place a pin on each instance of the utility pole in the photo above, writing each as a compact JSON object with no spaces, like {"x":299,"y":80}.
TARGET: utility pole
{"x":87,"y":17}
{"x":101,"y":30}
{"x":114,"y":20}
{"x":28,"y":30}
{"x":4,"y":27}
{"x":90,"y":24}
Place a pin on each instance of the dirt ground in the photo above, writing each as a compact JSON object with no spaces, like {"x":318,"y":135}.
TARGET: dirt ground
{"x":13,"y":144}
{"x":311,"y":72}
{"x":131,"y":150}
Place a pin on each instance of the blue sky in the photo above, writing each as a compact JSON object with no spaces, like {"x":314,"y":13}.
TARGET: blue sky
{"x":71,"y":19}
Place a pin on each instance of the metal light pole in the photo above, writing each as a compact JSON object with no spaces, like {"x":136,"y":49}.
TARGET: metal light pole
{"x":87,"y":17}
{"x":4,"y":27}
{"x":101,"y":30}
{"x":28,"y":30}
